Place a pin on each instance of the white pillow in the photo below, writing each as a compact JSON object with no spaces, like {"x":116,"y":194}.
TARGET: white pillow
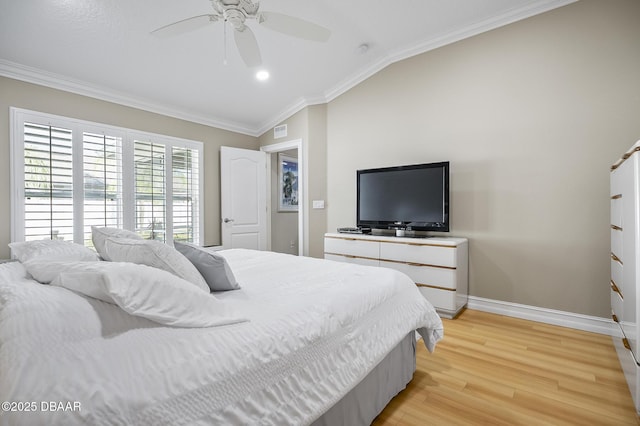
{"x":100,"y":234}
{"x":51,"y":250}
{"x":45,"y":271}
{"x":149,"y":293}
{"x":156,"y":254}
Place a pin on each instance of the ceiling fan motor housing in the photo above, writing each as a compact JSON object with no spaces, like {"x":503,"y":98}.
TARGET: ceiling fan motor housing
{"x":236,"y":11}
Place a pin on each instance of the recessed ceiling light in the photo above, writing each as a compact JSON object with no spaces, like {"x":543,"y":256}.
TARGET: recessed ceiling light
{"x":262,"y":75}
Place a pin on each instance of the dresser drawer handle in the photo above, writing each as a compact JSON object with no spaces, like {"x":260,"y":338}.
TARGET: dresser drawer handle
{"x":615,"y":288}
{"x":616,"y":258}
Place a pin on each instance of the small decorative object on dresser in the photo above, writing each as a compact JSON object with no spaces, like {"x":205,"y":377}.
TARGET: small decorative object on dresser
{"x":625,"y":276}
{"x":438,"y":266}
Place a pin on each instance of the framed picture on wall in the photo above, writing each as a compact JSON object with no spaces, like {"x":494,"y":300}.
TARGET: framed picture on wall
{"x":287,"y":183}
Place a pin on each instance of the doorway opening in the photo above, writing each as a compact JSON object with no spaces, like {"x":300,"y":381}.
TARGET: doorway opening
{"x":286,"y":197}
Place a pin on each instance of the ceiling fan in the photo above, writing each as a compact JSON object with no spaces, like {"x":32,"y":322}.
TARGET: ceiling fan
{"x":236,"y":13}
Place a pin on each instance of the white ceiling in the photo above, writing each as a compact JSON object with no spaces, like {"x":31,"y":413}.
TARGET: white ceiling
{"x":104,"y":49}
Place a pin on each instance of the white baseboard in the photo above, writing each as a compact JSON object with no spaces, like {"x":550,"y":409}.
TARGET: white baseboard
{"x":547,"y":316}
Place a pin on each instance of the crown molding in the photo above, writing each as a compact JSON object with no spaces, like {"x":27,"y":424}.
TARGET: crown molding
{"x":57,"y":81}
{"x":67,"y":84}
{"x":292,"y":109}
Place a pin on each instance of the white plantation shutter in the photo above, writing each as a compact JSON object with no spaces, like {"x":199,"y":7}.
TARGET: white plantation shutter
{"x":102,"y":182}
{"x":185,"y":194}
{"x":150,"y":190}
{"x":68,"y":175}
{"x":48,"y":182}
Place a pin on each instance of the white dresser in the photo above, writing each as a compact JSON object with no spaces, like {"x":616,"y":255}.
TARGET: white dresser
{"x":625,"y":273}
{"x":439,"y":266}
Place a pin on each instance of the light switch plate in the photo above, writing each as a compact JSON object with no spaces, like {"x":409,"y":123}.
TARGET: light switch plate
{"x":318,"y":204}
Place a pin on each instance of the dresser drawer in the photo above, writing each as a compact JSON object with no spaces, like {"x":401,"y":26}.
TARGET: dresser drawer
{"x":616,"y":184}
{"x":616,"y":211}
{"x":352,"y":247}
{"x":352,"y":259}
{"x":616,"y":243}
{"x":419,"y":253}
{"x":616,"y":305}
{"x":443,"y":299}
{"x":617,"y":275}
{"x":429,"y":275}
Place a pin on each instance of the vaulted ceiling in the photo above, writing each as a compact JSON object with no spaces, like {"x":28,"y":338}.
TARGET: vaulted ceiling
{"x":105,"y":49}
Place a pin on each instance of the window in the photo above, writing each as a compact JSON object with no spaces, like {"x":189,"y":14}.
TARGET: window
{"x":150,"y":190}
{"x":69,"y":175}
{"x":48,"y":182}
{"x":102,"y":182}
{"x":186,"y":186}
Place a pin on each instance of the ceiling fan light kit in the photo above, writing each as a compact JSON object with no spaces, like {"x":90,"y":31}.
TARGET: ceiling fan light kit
{"x":236,"y":13}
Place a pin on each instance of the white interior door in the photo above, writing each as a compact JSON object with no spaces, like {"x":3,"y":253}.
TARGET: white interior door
{"x":243,"y":198}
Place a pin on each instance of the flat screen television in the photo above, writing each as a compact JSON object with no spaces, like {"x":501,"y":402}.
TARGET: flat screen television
{"x":414,"y":196}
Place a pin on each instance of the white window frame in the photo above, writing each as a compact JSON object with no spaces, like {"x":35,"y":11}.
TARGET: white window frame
{"x":19,"y":116}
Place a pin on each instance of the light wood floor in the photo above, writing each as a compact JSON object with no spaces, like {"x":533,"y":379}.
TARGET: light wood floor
{"x":495,"y":370}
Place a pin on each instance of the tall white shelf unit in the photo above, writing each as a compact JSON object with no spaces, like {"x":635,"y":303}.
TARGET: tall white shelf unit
{"x":438,"y":266}
{"x":625,"y":272}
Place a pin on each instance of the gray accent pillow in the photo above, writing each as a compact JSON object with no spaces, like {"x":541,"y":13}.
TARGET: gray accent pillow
{"x":213,"y":267}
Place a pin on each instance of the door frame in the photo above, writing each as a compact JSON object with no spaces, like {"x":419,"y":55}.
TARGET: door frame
{"x":302,"y":187}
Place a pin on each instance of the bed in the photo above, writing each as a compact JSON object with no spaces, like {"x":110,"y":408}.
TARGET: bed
{"x":303,"y":341}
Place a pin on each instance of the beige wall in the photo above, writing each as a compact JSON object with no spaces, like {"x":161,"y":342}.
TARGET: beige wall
{"x":37,"y":98}
{"x":317,"y":185}
{"x":530,"y":116}
{"x":310,"y":126}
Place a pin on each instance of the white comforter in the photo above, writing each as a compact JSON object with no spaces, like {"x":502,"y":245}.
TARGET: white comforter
{"x":315,"y":329}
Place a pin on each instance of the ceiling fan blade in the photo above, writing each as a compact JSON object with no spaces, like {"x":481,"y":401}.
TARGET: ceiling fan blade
{"x":292,"y":26}
{"x":184,"y":26}
{"x":248,"y":47}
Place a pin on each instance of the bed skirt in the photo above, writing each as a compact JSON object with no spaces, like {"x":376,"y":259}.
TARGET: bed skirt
{"x":364,"y":402}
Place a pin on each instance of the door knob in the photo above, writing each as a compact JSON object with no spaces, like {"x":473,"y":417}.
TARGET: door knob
{"x":227,"y":220}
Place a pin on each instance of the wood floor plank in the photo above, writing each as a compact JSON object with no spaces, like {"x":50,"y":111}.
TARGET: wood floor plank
{"x":497,"y":370}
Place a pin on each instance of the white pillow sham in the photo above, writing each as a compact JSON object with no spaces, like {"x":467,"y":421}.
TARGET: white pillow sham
{"x":147,"y":292}
{"x":45,"y":271}
{"x":156,"y":254}
{"x":51,"y":250}
{"x":100,"y":234}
